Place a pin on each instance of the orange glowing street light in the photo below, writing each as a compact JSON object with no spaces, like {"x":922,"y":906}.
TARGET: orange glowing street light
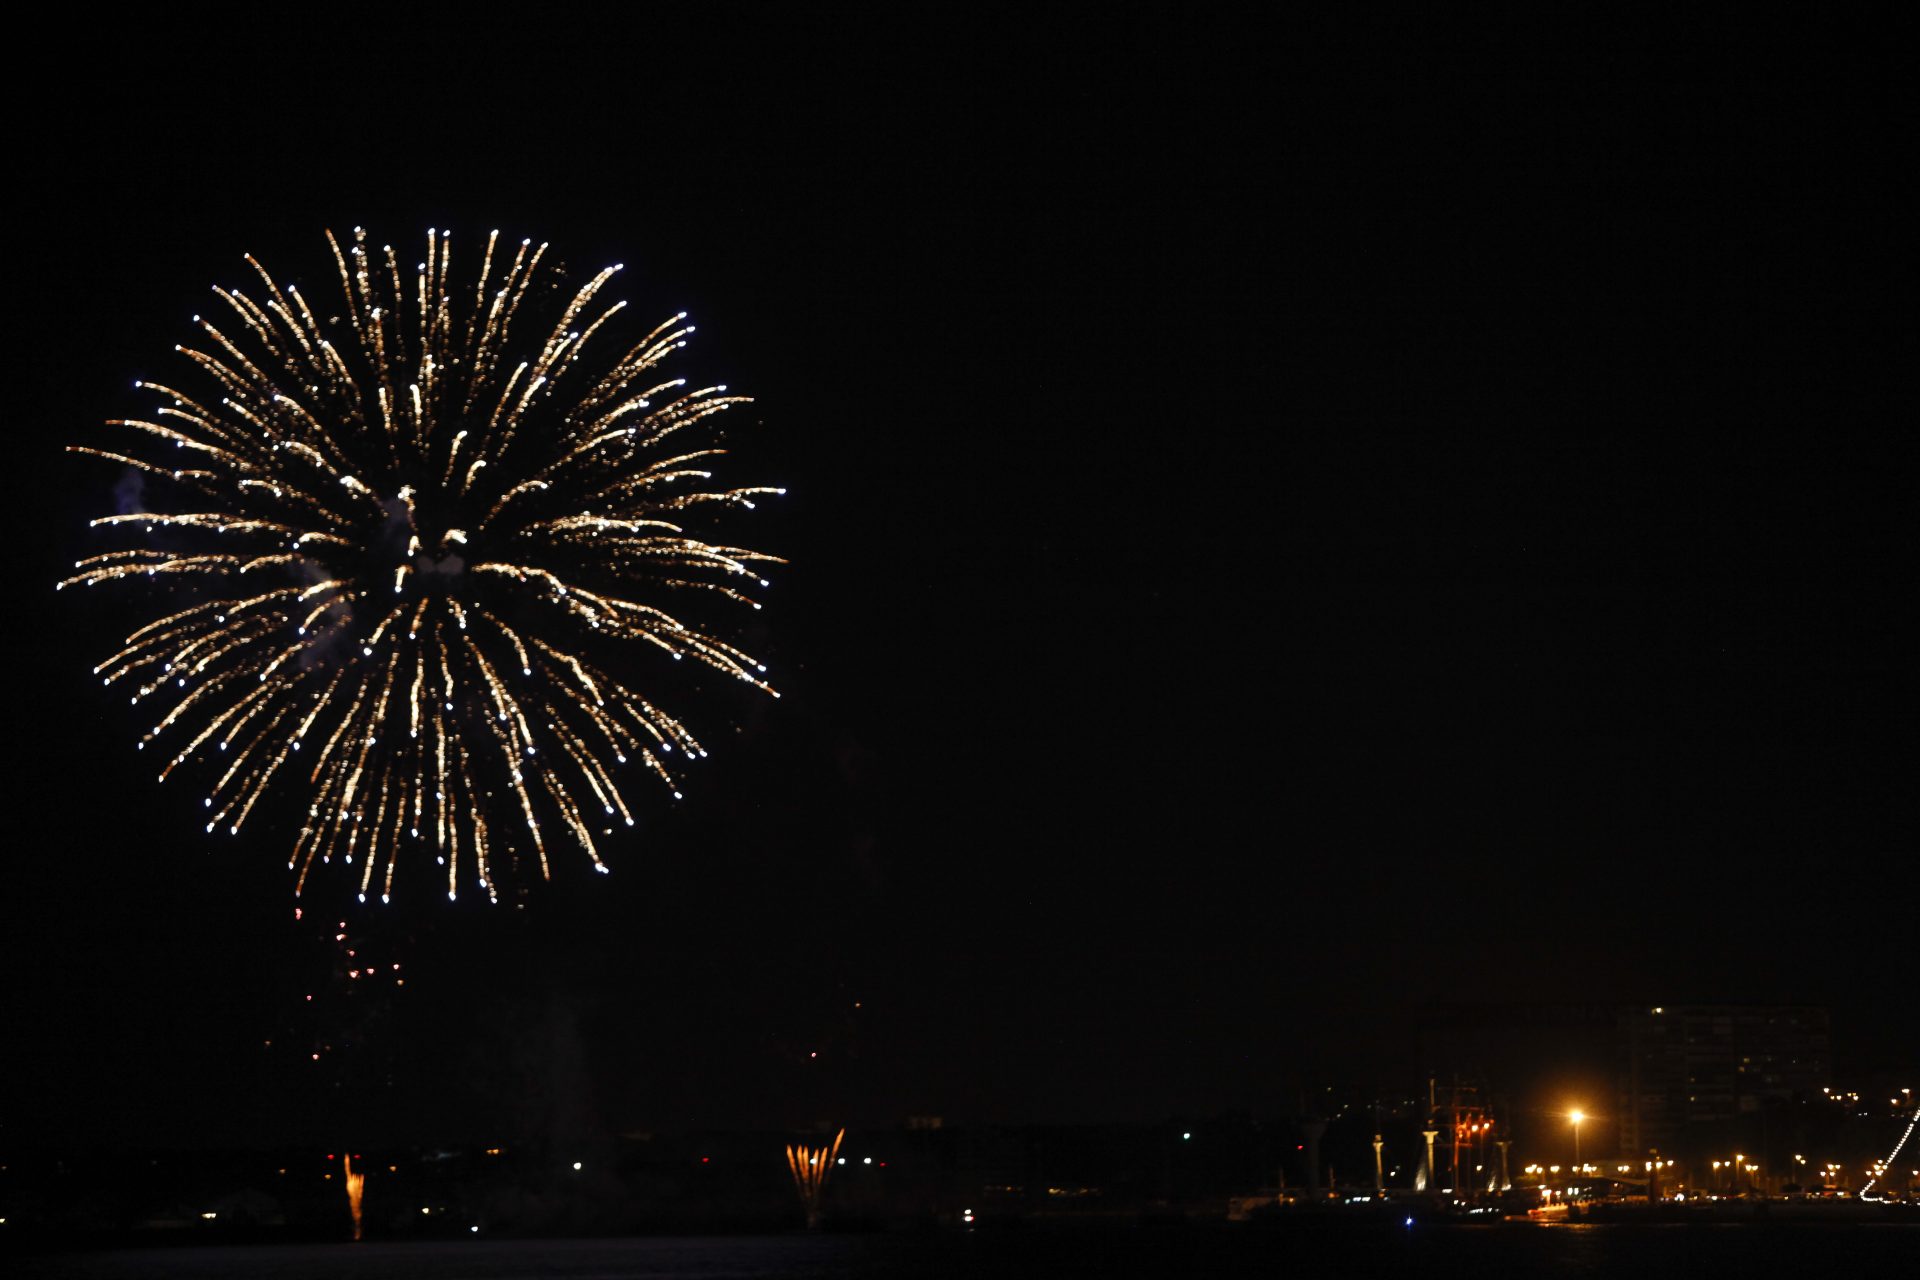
{"x":1576,"y":1115}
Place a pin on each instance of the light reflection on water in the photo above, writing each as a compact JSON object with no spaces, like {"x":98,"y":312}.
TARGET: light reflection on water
{"x":784,"y":1258}
{"x":1425,"y":1253}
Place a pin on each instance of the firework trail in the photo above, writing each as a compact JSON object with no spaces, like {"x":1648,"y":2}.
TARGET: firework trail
{"x":406,"y":550}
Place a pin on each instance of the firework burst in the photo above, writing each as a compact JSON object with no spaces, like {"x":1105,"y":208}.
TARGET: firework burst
{"x":414,"y":552}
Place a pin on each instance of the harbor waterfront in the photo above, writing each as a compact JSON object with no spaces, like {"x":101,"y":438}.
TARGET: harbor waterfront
{"x":1442,"y":1156}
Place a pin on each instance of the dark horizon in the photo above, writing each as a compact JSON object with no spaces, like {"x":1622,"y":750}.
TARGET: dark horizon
{"x":1291,"y":529}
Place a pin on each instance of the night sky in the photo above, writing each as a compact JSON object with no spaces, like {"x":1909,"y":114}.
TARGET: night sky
{"x":1290,"y":528}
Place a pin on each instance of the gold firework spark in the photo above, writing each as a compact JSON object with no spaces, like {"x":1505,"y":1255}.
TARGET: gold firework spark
{"x":809,"y":1167}
{"x":356,"y":1189}
{"x":414,"y":550}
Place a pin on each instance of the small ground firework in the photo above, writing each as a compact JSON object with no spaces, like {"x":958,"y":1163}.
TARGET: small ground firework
{"x":415,"y":546}
{"x":356,"y":1191}
{"x":810,"y":1167}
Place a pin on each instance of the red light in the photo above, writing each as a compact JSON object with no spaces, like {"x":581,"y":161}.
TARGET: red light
{"x":329,"y":1155}
{"x":883,"y":1164}
{"x":703,"y":1159}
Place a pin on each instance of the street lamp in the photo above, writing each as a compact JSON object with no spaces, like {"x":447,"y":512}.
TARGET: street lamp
{"x":1576,"y":1115}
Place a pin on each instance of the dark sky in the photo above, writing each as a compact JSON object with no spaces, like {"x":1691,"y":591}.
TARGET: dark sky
{"x":1290,"y":526}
